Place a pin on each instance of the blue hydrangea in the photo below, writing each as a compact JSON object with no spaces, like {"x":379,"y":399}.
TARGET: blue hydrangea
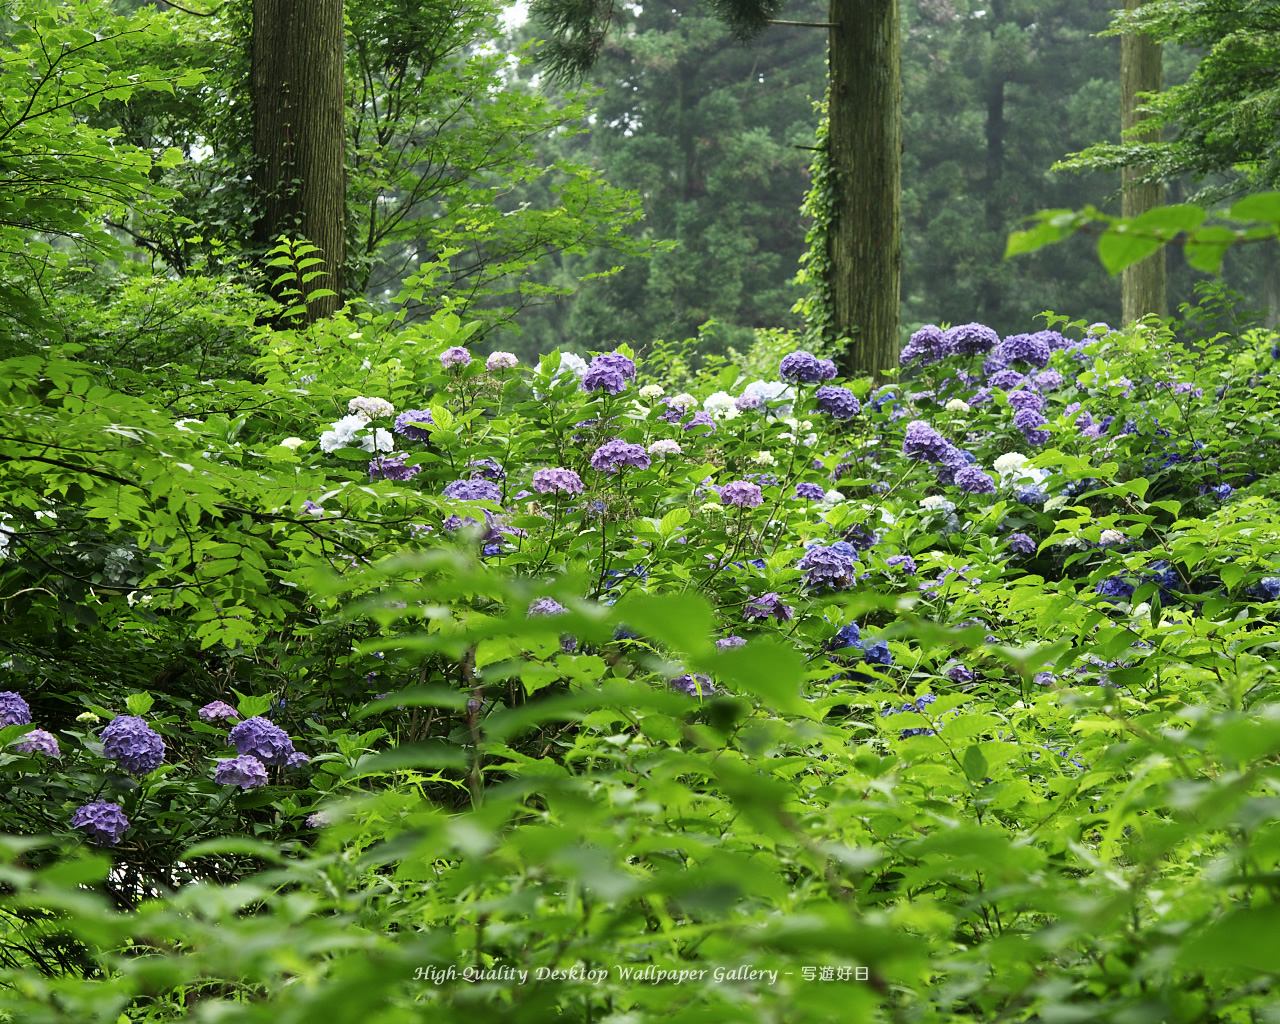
{"x":877,"y":653}
{"x":768,"y":606}
{"x":695,"y":684}
{"x":971,"y":339}
{"x":603,"y":378}
{"x":1115,"y":588}
{"x":813,"y":492}
{"x":927,"y":346}
{"x":846,"y":636}
{"x":104,"y":822}
{"x":262,"y":739}
{"x":839,"y":403}
{"x":826,"y":567}
{"x":132,"y":744}
{"x":1027,"y":348}
{"x":902,"y":563}
{"x":13,"y":709}
{"x":922,"y":442}
{"x":404,"y":424}
{"x":1021,"y":544}
{"x":473,"y":490}
{"x":244,"y":771}
{"x":801,"y":367}
{"x":973,"y":480}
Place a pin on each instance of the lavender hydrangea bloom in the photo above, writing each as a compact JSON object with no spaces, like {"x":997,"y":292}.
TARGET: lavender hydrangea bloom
{"x":741,"y":494}
{"x":487,"y":469}
{"x":846,"y":636}
{"x":501,"y":361}
{"x":1024,"y":398}
{"x":456,"y":356}
{"x":801,"y":367}
{"x":546,"y":606}
{"x":695,"y":684}
{"x":473,"y":490}
{"x":1006,"y":380}
{"x":813,"y":492}
{"x":262,"y":739}
{"x":557,"y":480}
{"x":972,"y":480}
{"x":840,"y":403}
{"x":616,"y":361}
{"x":244,"y":771}
{"x":768,"y":606}
{"x":392,"y":467}
{"x":702,"y":418}
{"x":13,"y":709}
{"x":404,"y":424}
{"x":132,"y":744}
{"x":903,"y":563}
{"x":613,"y":455}
{"x":729,"y":642}
{"x":297,"y":760}
{"x":826,"y":567}
{"x":960,"y":674}
{"x":104,"y":822}
{"x":971,"y":339}
{"x":1028,"y":423}
{"x":1048,"y":380}
{"x":928,"y":345}
{"x":217,"y":711}
{"x":1027,"y":348}
{"x":38,"y":741}
{"x":878,"y":654}
{"x":828,"y":369}
{"x":921,"y":441}
{"x":603,"y":378}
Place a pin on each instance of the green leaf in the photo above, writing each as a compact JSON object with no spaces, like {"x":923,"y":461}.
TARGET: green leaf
{"x":672,"y":521}
{"x":1121,"y":247}
{"x":139,"y":703}
{"x":1054,"y":226}
{"x":250,"y":707}
{"x":1207,"y":248}
{"x":975,"y":764}
{"x":1263,"y":206}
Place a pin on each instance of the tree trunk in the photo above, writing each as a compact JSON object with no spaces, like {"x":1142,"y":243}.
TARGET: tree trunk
{"x":864,"y":237}
{"x":1142,"y":286}
{"x":299,"y":144}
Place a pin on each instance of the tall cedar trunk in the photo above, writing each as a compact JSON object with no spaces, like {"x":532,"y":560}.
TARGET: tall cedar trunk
{"x":1142,"y":286}
{"x":298,"y":132}
{"x":864,"y":237}
{"x":994,"y":202}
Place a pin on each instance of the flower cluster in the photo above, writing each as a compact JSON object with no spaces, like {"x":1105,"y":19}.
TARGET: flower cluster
{"x":104,"y":822}
{"x":613,"y":455}
{"x":801,"y":367}
{"x":132,"y":744}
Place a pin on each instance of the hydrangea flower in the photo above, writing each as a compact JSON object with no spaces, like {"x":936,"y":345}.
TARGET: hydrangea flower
{"x":741,"y":494}
{"x":405,"y":427}
{"x":683,"y":402}
{"x":38,"y":741}
{"x":1021,"y":544}
{"x":827,"y":567}
{"x":600,"y":377}
{"x":616,"y":361}
{"x":1110,"y":538}
{"x":921,"y":441}
{"x":298,"y":759}
{"x":13,"y":709}
{"x":768,"y":606}
{"x":546,"y":606}
{"x":878,"y":654}
{"x":928,"y":345}
{"x":392,"y":467}
{"x":731,"y":641}
{"x":701,"y":419}
{"x":244,"y":771}
{"x":903,"y":563}
{"x":1027,"y":348}
{"x":557,"y":480}
{"x":720,"y":406}
{"x":1269,"y":586}
{"x":839,"y":403}
{"x":1115,"y":588}
{"x":663,"y":447}
{"x":455,"y":356}
{"x":473,"y":490}
{"x":813,"y":492}
{"x":263,"y":739}
{"x":132,"y":744}
{"x":614,"y":455}
{"x":772,"y":397}
{"x":652,"y":392}
{"x":801,"y":367}
{"x":960,"y":674}
{"x":1024,"y":398}
{"x":695,"y":684}
{"x":501,"y":361}
{"x":570,"y":363}
{"x":957,"y":405}
{"x":970,"y":339}
{"x":343,"y":433}
{"x":973,"y":480}
{"x":1048,"y":380}
{"x":104,"y":822}
{"x":370,"y":408}
{"x":1006,"y":380}
{"x":217,"y":711}
{"x":1028,"y":423}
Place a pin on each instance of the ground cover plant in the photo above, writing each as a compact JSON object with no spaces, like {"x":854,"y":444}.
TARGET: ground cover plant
{"x":403,"y":679}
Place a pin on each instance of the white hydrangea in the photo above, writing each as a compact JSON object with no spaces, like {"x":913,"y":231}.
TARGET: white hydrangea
{"x":292,"y":443}
{"x":664,"y":447}
{"x":501,"y":361}
{"x":772,"y":391}
{"x":370,"y":408}
{"x":569,"y":363}
{"x":343,"y":435}
{"x":652,"y":392}
{"x":721,"y":406}
{"x":1013,"y":470}
{"x":937,"y":503}
{"x":1110,"y":538}
{"x":380,"y":440}
{"x":684,"y":402}
{"x":832,"y":498}
{"x":712,"y":508}
{"x":764,"y":459}
{"x":957,"y":405}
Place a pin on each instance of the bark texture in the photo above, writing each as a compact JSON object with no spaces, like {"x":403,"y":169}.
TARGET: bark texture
{"x":1142,"y":286}
{"x":299,"y":143}
{"x":865,"y":150}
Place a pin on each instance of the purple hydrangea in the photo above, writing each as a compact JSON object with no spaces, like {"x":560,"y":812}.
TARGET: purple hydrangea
{"x":827,"y":567}
{"x":456,"y":356}
{"x":971,"y":339}
{"x":1029,"y":348}
{"x":245,"y":771}
{"x":557,"y":480}
{"x":840,"y":403}
{"x":695,"y":684}
{"x":973,"y":480}
{"x":1048,"y":380}
{"x":546,"y":606}
{"x":404,"y":424}
{"x":298,"y":759}
{"x":741,"y":494}
{"x":921,"y":441}
{"x":613,"y":455}
{"x":486,"y":469}
{"x":801,"y":367}
{"x":903,"y":563}
{"x":217,"y":711}
{"x":1115,"y":588}
{"x":603,"y":378}
{"x":731,"y":641}
{"x":1028,"y":422}
{"x":1006,"y":380}
{"x":13,"y":709}
{"x":701,"y":418}
{"x":132,"y":744}
{"x":616,"y":361}
{"x":878,"y":654}
{"x":392,"y":467}
{"x":1021,"y":544}
{"x":813,"y":492}
{"x":262,"y":739}
{"x":104,"y":822}
{"x":1023,"y":398}
{"x":38,"y":741}
{"x":960,"y":674}
{"x":927,"y":345}
{"x":473,"y":490}
{"x":847,"y":635}
{"x":768,"y":606}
